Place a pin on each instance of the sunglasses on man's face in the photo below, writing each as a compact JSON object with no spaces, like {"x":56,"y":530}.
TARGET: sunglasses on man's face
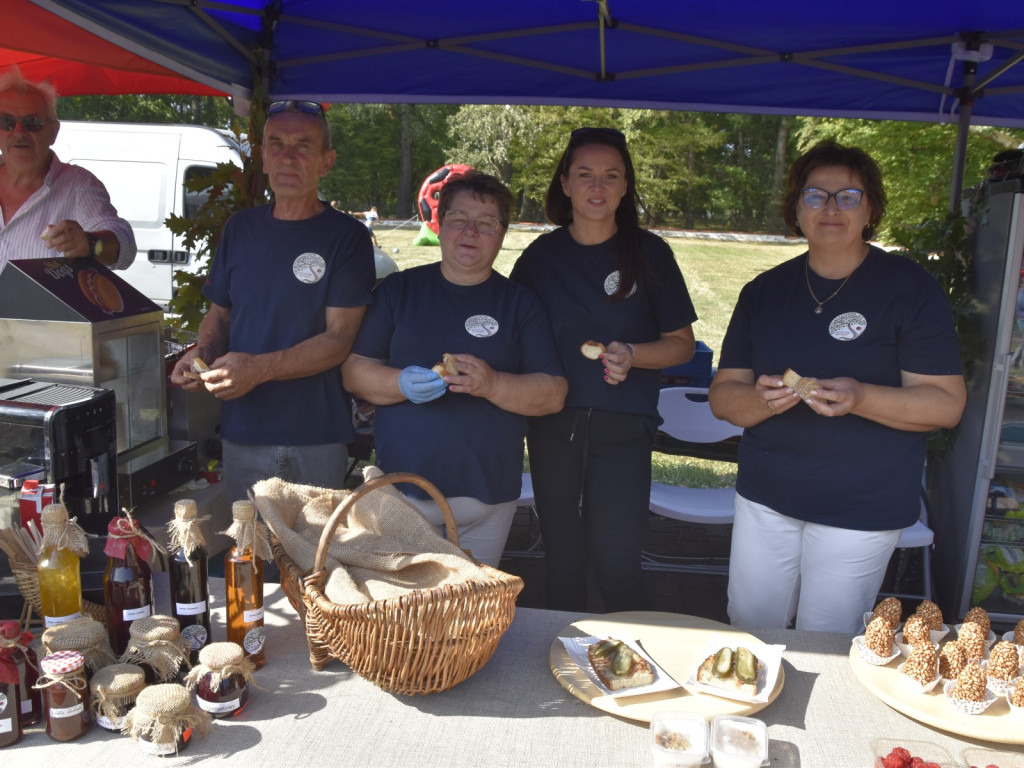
{"x":292,"y":105}
{"x":30,"y":123}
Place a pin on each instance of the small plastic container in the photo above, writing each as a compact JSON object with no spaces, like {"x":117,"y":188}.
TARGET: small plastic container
{"x":679,"y":740}
{"x":738,"y":742}
{"x":981,"y":757}
{"x":930,"y":753}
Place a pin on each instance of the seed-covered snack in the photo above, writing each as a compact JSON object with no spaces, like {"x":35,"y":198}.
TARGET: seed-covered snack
{"x":972,"y":638}
{"x":1017,"y":695}
{"x":879,"y":636}
{"x":891,"y":609}
{"x":923,"y":663}
{"x":1003,"y":661}
{"x":916,"y":631}
{"x":931,"y":613}
{"x":952,"y":660}
{"x":979,"y":616}
{"x":970,"y":683}
{"x":1018,"y":633}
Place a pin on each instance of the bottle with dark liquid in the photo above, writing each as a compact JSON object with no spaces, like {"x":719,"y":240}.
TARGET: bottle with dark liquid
{"x":10,"y":700}
{"x":188,"y":571}
{"x":243,"y":581}
{"x":127,"y":582}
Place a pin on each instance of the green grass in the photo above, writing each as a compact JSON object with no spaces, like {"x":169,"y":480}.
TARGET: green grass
{"x":714,"y":270}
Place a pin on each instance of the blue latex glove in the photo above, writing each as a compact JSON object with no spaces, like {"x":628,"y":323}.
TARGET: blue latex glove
{"x":421,"y":385}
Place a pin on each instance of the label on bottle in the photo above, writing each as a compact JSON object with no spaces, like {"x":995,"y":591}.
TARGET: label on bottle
{"x":131,"y":614}
{"x":254,"y":640}
{"x":73,"y":711}
{"x":53,"y":621}
{"x":6,"y":724}
{"x":110,"y":724}
{"x":26,"y":706}
{"x":254,"y":615}
{"x":196,"y":635}
{"x":190,"y":609}
{"x":218,"y":707}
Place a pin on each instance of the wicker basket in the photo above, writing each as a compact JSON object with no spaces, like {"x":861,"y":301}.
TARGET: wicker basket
{"x":427,"y":641}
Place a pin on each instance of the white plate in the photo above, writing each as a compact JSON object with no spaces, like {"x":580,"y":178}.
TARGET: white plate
{"x":577,"y":648}
{"x":770,"y":657}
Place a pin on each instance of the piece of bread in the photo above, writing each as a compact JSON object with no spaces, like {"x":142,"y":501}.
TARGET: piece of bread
{"x":731,"y":682}
{"x":198,"y":367}
{"x":446,"y":367}
{"x":592,"y":350}
{"x":637,"y":674}
{"x":47,"y":232}
{"x":802,"y":385}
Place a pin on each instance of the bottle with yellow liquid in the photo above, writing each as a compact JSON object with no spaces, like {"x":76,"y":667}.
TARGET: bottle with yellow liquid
{"x":243,"y":581}
{"x":60,"y":577}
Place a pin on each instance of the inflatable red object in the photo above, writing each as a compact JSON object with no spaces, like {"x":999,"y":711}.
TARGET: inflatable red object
{"x":431,"y":190}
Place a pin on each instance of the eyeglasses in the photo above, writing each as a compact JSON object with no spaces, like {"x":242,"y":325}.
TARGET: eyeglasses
{"x":458,"y":220}
{"x":816,"y":198}
{"x":30,"y":123}
{"x":292,"y":105}
{"x":580,"y":133}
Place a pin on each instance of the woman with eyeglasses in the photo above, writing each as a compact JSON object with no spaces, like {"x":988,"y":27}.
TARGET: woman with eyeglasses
{"x":830,"y":470}
{"x":461,"y":428}
{"x":601,"y":278}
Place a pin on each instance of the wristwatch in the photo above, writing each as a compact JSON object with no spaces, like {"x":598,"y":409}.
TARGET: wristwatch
{"x":95,"y":245}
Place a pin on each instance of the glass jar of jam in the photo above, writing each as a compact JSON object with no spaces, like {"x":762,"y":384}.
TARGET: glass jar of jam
{"x":65,"y":695}
{"x":164,"y":719}
{"x":114,"y":690}
{"x":221,"y":679}
{"x":10,"y":699}
{"x":18,"y":643}
{"x":85,"y":635}
{"x":157,"y":646}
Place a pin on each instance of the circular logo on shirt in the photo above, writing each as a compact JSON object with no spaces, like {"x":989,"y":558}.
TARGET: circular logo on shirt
{"x":481,"y":326}
{"x":847,"y":326}
{"x":309,"y":267}
{"x":611,"y":285}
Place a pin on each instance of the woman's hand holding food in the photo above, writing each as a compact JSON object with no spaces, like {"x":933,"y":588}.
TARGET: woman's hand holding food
{"x":774,"y":395}
{"x":617,"y":359}
{"x":421,"y":385}
{"x":475,"y":377}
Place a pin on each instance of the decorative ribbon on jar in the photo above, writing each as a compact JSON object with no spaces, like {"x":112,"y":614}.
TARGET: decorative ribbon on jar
{"x":62,"y":532}
{"x":115,"y":688}
{"x":12,"y":638}
{"x":248,"y":532}
{"x":73,"y":681}
{"x":185,"y":531}
{"x":123,"y":532}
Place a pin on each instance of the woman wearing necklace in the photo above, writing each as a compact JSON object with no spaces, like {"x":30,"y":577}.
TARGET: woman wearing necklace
{"x":826,"y":483}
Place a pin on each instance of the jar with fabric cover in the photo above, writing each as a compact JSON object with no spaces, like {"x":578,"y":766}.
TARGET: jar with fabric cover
{"x":114,"y":690}
{"x":127,"y":582}
{"x":24,"y":657}
{"x":10,"y":700}
{"x":59,"y":567}
{"x":85,"y":635}
{"x":65,"y":695}
{"x":164,"y":720}
{"x":221,"y":679}
{"x":156,"y":645}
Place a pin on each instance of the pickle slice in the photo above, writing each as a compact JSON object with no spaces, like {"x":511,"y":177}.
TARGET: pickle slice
{"x":622,"y":660}
{"x":723,"y":662}
{"x":746,"y":665}
{"x":604,"y":648}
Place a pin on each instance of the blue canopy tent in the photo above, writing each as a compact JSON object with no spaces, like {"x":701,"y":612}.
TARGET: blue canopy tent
{"x":927,"y":60}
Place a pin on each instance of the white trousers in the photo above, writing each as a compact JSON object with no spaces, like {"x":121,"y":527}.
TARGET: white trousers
{"x":483,"y":528}
{"x":780,"y":568}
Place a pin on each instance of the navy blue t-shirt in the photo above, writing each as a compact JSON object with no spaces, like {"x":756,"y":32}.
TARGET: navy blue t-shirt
{"x":847,"y":472}
{"x":463,"y":444}
{"x":575,"y":283}
{"x":278,"y":278}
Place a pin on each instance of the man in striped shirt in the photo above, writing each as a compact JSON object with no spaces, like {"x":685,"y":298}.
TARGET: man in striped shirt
{"x":49,"y":208}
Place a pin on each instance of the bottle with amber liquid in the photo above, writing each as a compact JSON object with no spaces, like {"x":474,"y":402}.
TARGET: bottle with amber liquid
{"x":189,"y":577}
{"x":127,"y":582}
{"x":243,"y":581}
{"x":60,"y":577}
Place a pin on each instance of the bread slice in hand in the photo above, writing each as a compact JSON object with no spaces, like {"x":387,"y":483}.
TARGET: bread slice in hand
{"x":198,"y":367}
{"x":592,"y":350}
{"x":801,"y":385}
{"x":638,"y":673}
{"x":446,"y":367}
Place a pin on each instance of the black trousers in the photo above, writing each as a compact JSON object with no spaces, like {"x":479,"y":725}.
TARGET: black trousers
{"x":592,"y":482}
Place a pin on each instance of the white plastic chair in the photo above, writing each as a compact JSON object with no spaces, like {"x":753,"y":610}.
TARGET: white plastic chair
{"x":687,"y":417}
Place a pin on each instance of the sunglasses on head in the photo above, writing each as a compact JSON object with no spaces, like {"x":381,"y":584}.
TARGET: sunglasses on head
{"x":611,"y":133}
{"x":292,"y":105}
{"x":30,"y":123}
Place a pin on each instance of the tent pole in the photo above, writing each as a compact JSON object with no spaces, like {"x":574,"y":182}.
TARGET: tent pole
{"x":966,"y":94}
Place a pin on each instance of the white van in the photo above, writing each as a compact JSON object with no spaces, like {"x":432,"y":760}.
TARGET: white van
{"x":144,"y":168}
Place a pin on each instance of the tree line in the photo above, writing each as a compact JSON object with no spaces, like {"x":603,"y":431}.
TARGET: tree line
{"x":707,"y":171}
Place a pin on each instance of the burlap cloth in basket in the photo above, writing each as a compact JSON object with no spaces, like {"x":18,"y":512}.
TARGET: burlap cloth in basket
{"x":386,"y":547}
